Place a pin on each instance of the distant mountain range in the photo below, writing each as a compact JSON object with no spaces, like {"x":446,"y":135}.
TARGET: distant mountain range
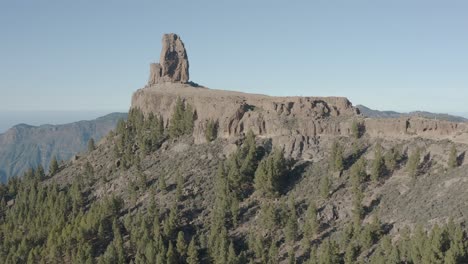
{"x":24,"y":146}
{"x":392,"y":114}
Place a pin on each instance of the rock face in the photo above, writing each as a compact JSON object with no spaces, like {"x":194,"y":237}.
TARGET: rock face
{"x":404,"y":128}
{"x":173,"y":63}
{"x":293,"y":123}
{"x":290,"y":122}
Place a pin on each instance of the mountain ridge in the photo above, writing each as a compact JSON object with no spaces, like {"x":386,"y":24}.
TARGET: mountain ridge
{"x":25,"y":146}
{"x":368,"y":112}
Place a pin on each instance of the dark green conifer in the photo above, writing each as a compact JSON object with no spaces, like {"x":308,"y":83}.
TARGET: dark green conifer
{"x":325,"y":187}
{"x":192,"y":254}
{"x":453,"y":158}
{"x":378,"y":164}
{"x":91,"y":145}
{"x":53,"y":167}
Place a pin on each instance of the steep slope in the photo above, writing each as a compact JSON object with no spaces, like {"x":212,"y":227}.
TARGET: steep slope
{"x":23,"y":146}
{"x":190,"y":174}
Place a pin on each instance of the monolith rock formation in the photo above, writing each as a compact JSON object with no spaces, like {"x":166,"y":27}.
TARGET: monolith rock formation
{"x":173,"y":63}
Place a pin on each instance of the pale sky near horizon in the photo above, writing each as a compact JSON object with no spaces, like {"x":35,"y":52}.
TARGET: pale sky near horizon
{"x":398,"y":55}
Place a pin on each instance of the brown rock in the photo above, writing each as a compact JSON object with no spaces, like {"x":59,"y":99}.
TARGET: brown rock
{"x":291,"y":122}
{"x":328,"y":213}
{"x":155,"y":73}
{"x":404,"y":128}
{"x":173,"y":63}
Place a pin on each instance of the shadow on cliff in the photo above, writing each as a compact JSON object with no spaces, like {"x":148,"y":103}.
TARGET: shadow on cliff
{"x":294,"y":175}
{"x":461,"y":158}
{"x":351,"y":159}
{"x":195,"y":85}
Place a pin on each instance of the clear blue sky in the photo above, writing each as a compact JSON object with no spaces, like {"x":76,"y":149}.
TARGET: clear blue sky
{"x":91,"y":55}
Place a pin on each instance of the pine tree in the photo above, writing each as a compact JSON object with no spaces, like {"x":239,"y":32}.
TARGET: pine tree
{"x":378,"y":165}
{"x":176,"y":126}
{"x":268,"y":215}
{"x":291,"y":256}
{"x":39,"y":172}
{"x":181,"y":244}
{"x":171,"y":222}
{"x":181,"y":122}
{"x":101,"y":232}
{"x":249,"y":163}
{"x":273,"y":253}
{"x":358,"y":173}
{"x":351,"y":253}
{"x":53,"y":167}
{"x":358,"y":210}
{"x":413,"y":163}
{"x":328,"y":253}
{"x":325,"y":187}
{"x":450,"y":257}
{"x":170,"y":255}
{"x":180,"y":185}
{"x":118,"y":243}
{"x":211,"y":130}
{"x":234,"y":210}
{"x":313,"y":256}
{"x":270,"y":172}
{"x":291,"y":224}
{"x":160,"y":126}
{"x":150,"y":251}
{"x":91,"y":145}
{"x":232,"y":257}
{"x":188,"y":120}
{"x":311,"y":224}
{"x":162,"y":183}
{"x":192,"y":254}
{"x":336,"y":157}
{"x":452,"y":160}
{"x":234,"y":175}
{"x":355,"y":129}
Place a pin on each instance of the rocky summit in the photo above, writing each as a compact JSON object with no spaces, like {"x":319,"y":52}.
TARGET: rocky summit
{"x":173,"y":63}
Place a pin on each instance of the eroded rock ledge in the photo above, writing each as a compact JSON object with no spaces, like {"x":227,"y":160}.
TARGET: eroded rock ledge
{"x":291,"y":122}
{"x":295,"y":123}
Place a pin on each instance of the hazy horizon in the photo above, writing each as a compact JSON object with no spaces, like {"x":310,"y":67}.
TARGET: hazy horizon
{"x":9,"y":119}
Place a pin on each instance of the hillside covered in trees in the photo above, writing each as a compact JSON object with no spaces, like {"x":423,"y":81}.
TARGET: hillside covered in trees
{"x":148,"y":194}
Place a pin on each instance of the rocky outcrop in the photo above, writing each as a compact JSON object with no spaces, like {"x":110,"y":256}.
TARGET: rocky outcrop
{"x":403,"y":128}
{"x":173,"y":63}
{"x":294,"y":123}
{"x":290,"y":122}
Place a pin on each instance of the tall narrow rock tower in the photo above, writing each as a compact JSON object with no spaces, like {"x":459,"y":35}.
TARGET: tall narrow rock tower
{"x":173,"y":63}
